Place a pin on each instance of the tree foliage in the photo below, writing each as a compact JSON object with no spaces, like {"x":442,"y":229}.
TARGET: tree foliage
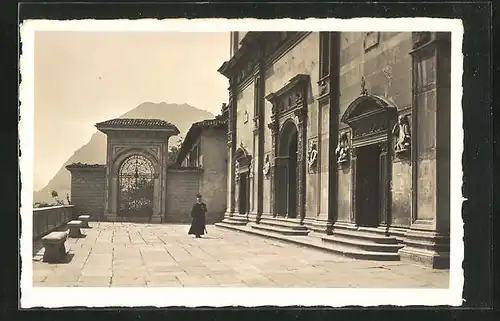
{"x":173,"y":151}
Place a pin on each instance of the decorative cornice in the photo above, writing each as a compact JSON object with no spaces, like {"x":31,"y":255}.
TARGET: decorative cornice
{"x":256,"y":48}
{"x":371,"y":104}
{"x":85,"y":166}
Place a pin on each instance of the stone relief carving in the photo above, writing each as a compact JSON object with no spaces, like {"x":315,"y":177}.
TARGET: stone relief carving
{"x":403,"y":138}
{"x":245,"y":117}
{"x":312,"y":156}
{"x":267,"y":166}
{"x":342,"y":150}
{"x":236,"y":171}
{"x":256,"y":122}
{"x":323,"y":87}
{"x":250,"y":168}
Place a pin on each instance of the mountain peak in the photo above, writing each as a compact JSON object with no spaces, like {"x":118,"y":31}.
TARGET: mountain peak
{"x":94,"y":152}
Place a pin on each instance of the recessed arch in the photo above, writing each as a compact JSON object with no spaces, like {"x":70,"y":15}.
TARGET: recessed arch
{"x":136,"y":175}
{"x":287,"y":134}
{"x":126,"y":153}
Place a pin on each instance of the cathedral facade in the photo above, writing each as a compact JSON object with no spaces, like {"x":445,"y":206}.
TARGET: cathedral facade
{"x":343,"y":136}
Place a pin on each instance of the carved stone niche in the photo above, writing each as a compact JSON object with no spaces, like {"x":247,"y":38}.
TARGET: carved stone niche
{"x":243,"y":161}
{"x":343,"y":148}
{"x":323,"y":85}
{"x":312,"y":156}
{"x":402,"y":134}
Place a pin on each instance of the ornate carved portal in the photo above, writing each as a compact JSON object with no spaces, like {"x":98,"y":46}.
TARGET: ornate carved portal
{"x":289,"y":148}
{"x":243,"y":164}
{"x":370,"y":118}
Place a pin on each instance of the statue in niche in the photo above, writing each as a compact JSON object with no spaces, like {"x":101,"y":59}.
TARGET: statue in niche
{"x":342,"y":150}
{"x":267,"y":166}
{"x":298,"y":98}
{"x":312,"y":156}
{"x":402,"y":130}
{"x":323,"y":87}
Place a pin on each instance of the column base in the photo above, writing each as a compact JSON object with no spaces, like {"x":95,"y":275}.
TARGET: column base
{"x":427,"y":248}
{"x":110,"y":217}
{"x":157,"y":219}
{"x":228,"y":214}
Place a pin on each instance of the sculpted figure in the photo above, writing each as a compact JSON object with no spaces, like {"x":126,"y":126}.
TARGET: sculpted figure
{"x":267,"y":165}
{"x":312,"y":155}
{"x":402,"y":130}
{"x":342,"y":149}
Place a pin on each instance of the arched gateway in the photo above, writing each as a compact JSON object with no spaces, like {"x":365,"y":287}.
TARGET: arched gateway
{"x":136,"y":187}
{"x":136,"y":168}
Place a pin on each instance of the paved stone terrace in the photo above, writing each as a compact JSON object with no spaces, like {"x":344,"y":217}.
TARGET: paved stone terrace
{"x":127,"y":254}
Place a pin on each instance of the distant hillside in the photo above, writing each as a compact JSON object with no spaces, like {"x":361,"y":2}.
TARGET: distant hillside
{"x":94,"y":151}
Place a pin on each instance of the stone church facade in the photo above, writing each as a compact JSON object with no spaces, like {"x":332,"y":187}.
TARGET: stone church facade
{"x":343,"y":136}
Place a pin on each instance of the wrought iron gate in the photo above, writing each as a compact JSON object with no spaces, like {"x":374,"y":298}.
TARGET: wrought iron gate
{"x":136,"y":185}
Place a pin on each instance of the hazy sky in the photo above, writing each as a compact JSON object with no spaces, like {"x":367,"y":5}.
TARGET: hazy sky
{"x":82,"y":78}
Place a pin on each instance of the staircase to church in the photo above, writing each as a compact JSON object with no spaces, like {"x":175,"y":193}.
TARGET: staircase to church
{"x":235,"y":220}
{"x":363,"y":243}
{"x":282,"y":226}
{"x":347,"y":240}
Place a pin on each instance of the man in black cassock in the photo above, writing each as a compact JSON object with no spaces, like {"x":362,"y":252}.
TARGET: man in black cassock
{"x":198,"y":215}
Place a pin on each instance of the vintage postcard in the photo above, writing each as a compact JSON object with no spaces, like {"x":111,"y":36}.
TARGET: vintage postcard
{"x":245,"y":162}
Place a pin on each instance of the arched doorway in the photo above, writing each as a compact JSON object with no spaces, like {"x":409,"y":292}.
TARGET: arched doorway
{"x":242,"y":178}
{"x":286,"y":171}
{"x":136,"y":187}
{"x":370,"y":118}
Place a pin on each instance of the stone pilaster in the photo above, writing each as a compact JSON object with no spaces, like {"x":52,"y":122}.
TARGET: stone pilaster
{"x":428,"y":239}
{"x":301,"y":114}
{"x":273,"y":126}
{"x":231,"y":143}
{"x":354,"y":160}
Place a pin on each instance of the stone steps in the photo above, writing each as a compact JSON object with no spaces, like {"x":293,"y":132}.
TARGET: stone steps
{"x":283,"y":224}
{"x":235,"y":220}
{"x":316,"y":243}
{"x":361,"y":244}
{"x":364,"y":236}
{"x":279,"y":230}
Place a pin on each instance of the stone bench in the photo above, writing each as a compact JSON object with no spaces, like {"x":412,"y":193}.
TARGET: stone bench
{"x":85,"y":220}
{"x":53,"y":243}
{"x":74,"y":228}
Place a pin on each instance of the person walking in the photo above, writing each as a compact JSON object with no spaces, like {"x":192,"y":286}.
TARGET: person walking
{"x":198,"y":214}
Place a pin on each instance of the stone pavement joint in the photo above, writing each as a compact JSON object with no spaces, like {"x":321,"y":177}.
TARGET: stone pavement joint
{"x":146,"y":255}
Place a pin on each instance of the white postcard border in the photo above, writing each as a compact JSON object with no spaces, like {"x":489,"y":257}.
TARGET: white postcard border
{"x":218,"y":297}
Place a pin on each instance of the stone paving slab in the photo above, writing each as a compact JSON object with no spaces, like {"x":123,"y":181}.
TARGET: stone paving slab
{"x":156,"y":255}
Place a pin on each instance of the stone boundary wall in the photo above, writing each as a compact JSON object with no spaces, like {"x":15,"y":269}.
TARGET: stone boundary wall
{"x":87,"y":190}
{"x":182,"y":186}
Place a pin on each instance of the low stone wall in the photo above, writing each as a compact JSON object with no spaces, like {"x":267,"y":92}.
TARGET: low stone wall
{"x":87,"y":189}
{"x":182,"y":186}
{"x":48,"y":219}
